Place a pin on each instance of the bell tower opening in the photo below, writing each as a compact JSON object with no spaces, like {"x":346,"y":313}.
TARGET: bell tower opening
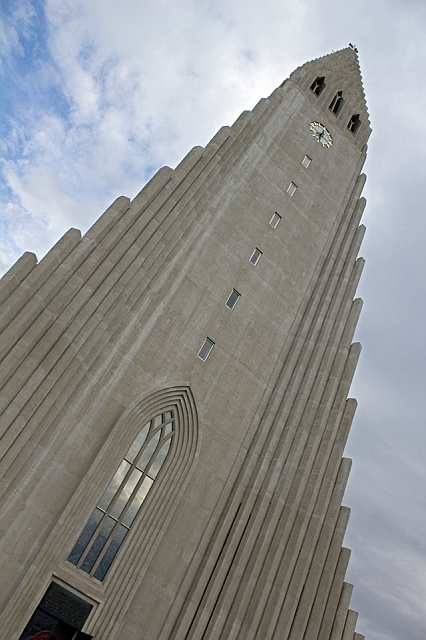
{"x":354,"y":123}
{"x":337,"y":103}
{"x":318,"y":85}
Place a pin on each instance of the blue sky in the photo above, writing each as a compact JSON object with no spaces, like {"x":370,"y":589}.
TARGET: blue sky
{"x":97,"y":95}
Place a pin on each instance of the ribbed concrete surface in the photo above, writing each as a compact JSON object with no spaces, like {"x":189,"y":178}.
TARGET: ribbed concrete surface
{"x":241,"y":535}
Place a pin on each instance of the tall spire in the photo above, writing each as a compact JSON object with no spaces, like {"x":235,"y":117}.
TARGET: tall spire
{"x":340,"y":73}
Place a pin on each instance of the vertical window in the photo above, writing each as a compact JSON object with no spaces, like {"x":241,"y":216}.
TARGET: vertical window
{"x":233,"y":299}
{"x":354,"y":123}
{"x":255,"y":256}
{"x":318,"y":85}
{"x":306,"y":162}
{"x":110,"y":522}
{"x":275,"y":220}
{"x":291,"y":189}
{"x":205,"y":349}
{"x":336,"y":103}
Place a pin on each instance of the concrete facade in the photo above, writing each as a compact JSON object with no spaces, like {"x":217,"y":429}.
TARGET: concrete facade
{"x":240,"y":535}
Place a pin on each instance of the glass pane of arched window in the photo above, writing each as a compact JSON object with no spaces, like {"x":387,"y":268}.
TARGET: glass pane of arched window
{"x":108,"y":525}
{"x":149,"y":451}
{"x":159,"y":459}
{"x":125,"y":493}
{"x":109,"y":555}
{"x":137,"y":501}
{"x":99,"y":543}
{"x":137,"y":444}
{"x":85,"y":537}
{"x":115,"y":483}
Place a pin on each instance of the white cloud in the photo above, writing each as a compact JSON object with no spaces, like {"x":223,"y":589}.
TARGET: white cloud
{"x":18,"y":28}
{"x":41,"y":193}
{"x":143,"y":83}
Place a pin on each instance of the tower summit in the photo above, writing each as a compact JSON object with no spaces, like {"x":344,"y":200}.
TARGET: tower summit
{"x":174,"y":390}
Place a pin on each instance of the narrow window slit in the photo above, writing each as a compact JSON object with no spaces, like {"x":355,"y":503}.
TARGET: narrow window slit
{"x":306,"y":162}
{"x":204,"y":352}
{"x":291,"y":189}
{"x":274,"y":221}
{"x":233,"y":299}
{"x":255,"y":256}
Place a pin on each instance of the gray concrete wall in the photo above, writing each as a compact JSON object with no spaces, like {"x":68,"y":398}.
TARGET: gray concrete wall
{"x":242,"y":536}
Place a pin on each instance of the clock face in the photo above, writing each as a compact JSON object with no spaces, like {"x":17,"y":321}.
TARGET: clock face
{"x":321,"y":134}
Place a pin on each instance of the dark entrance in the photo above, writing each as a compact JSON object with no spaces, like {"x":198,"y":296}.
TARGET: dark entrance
{"x":59,"y":616}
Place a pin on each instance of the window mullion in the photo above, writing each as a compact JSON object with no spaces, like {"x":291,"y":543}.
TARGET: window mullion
{"x":131,"y":498}
{"x":105,"y":547}
{"x":93,"y":537}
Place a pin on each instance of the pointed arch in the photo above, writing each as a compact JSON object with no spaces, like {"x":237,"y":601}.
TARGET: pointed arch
{"x":121,"y":501}
{"x":354,"y":123}
{"x":160,"y":434}
{"x":337,"y":103}
{"x":318,"y":85}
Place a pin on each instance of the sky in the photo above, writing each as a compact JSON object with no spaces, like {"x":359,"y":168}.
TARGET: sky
{"x":96,"y":95}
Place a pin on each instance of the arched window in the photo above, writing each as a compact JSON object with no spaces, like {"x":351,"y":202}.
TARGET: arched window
{"x":354,"y":123}
{"x":336,"y":103}
{"x":110,"y":522}
{"x":318,"y":85}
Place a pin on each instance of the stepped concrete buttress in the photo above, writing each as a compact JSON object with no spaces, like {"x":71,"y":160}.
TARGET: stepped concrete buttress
{"x":240,"y":535}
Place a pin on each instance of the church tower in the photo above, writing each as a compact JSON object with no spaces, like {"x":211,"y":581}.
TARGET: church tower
{"x":174,"y":390}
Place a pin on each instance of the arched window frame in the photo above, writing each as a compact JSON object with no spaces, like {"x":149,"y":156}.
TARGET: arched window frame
{"x":161,"y":501}
{"x":120,"y":503}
